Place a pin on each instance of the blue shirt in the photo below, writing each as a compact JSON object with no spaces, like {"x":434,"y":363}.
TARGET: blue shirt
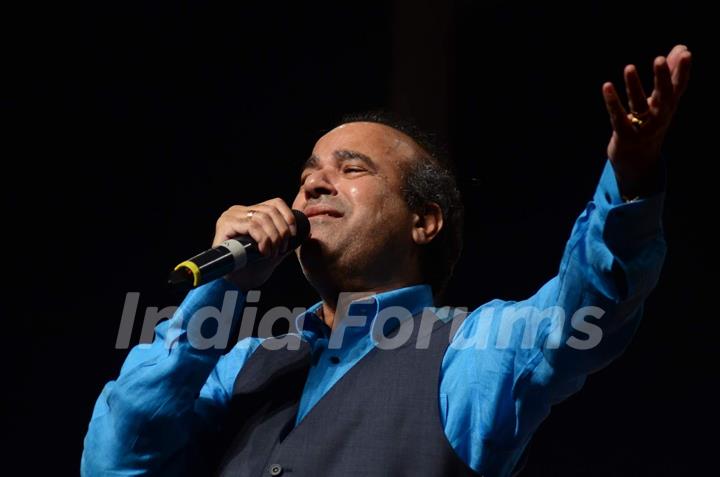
{"x":507,"y":364}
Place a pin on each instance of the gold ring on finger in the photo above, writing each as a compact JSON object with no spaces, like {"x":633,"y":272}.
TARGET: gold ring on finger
{"x":639,"y":119}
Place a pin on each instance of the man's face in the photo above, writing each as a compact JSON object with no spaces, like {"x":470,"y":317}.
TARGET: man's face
{"x":351,"y":191}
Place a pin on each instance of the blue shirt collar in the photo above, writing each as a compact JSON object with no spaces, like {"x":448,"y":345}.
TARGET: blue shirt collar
{"x":413,"y":299}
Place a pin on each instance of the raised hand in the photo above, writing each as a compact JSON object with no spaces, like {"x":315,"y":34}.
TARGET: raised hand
{"x":638,"y":134}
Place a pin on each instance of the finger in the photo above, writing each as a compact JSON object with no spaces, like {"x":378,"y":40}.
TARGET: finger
{"x":280,"y":224}
{"x":229,"y":226}
{"x":286,"y":212}
{"x":225,"y":226}
{"x":634,"y":90}
{"x":271,"y":239}
{"x":681,"y":74}
{"x":616,"y":111}
{"x":663,"y":98}
{"x":674,"y":56}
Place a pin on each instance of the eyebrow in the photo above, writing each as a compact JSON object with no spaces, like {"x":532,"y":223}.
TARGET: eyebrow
{"x":340,"y":155}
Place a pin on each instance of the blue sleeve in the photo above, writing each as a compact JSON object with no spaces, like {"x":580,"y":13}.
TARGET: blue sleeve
{"x":511,"y":361}
{"x":611,"y":264}
{"x":167,"y":391}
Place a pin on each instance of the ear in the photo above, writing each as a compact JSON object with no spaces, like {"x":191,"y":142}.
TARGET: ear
{"x":428,"y":224}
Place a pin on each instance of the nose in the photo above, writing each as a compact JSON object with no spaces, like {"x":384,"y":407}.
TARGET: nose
{"x":319,"y":183}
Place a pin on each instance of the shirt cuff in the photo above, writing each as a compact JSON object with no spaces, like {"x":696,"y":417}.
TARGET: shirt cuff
{"x":627,"y":224}
{"x":209,"y":294}
{"x":207,"y":318}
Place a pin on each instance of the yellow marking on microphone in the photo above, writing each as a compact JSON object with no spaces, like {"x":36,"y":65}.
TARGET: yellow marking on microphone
{"x":193,"y":269}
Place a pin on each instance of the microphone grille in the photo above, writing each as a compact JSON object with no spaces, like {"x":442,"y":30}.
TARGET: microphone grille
{"x":302,"y":224}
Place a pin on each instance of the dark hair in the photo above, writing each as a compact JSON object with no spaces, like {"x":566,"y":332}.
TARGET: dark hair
{"x":430,"y":178}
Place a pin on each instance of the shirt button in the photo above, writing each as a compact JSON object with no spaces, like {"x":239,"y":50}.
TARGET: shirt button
{"x":334,"y":359}
{"x":276,"y":469}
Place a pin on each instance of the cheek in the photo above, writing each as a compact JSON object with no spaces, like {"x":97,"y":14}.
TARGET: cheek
{"x":371,"y":201}
{"x":375,"y":201}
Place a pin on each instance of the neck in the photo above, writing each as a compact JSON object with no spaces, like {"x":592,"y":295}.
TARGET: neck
{"x":338,"y":285}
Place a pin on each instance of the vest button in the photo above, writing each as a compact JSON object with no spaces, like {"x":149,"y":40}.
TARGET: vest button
{"x":276,"y":469}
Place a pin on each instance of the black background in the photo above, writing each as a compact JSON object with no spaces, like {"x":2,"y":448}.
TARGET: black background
{"x":133,"y":125}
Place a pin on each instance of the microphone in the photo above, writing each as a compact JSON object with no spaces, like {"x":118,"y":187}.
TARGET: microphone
{"x":233,"y":254}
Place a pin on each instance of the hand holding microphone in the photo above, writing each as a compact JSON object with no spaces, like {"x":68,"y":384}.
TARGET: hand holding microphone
{"x":250,"y":241}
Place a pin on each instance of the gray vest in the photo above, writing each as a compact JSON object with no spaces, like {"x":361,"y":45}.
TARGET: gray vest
{"x":381,"y":418}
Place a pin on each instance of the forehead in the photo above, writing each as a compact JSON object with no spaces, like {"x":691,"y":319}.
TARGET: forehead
{"x":386,"y":146}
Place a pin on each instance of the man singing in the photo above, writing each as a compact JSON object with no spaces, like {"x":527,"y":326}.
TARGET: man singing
{"x":360,"y":394}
